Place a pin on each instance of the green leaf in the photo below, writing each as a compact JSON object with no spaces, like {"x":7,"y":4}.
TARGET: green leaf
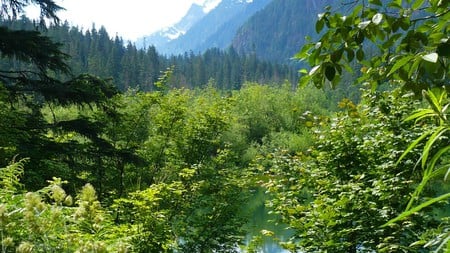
{"x":376,"y":2}
{"x":428,"y":174}
{"x":303,"y":71}
{"x":417,"y":208}
{"x":444,"y":48}
{"x":434,"y":160}
{"x":417,"y":4}
{"x":412,"y":146}
{"x":304,"y":80}
{"x":405,"y":24}
{"x":337,"y":55}
{"x":433,"y":57}
{"x":362,"y":25}
{"x":350,"y":54}
{"x":420,"y":114}
{"x":330,"y":72}
{"x":433,"y":101}
{"x":360,"y":54}
{"x":400,"y":63}
{"x":319,"y":25}
{"x":314,"y":70}
{"x":303,"y":54}
{"x":433,"y":138}
{"x":359,"y":37}
{"x":377,"y":18}
{"x":396,"y":4}
{"x":414,"y":66}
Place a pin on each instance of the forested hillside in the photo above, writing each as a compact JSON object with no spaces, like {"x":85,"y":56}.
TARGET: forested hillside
{"x":93,"y":51}
{"x":278,"y":31}
{"x":89,"y":165}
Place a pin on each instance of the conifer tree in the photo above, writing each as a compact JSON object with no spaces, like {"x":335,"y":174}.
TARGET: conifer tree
{"x":30,"y":83}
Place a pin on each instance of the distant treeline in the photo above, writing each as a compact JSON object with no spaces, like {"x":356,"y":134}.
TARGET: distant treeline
{"x":93,"y":51}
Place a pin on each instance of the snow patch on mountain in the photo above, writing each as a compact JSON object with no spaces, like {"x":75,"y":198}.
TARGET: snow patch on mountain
{"x":207,"y":24}
{"x":209,"y":5}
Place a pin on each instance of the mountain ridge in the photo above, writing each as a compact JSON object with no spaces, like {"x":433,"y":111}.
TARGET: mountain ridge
{"x":278,"y":31}
{"x":164,"y":35}
{"x":274,"y":30}
{"x":215,"y":28}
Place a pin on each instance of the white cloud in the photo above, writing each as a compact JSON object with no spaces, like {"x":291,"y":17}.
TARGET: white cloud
{"x":130,"y":19}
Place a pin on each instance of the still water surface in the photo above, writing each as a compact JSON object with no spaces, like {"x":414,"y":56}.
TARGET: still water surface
{"x":263,"y":220}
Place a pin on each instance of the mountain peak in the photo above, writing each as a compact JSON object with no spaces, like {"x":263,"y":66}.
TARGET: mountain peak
{"x":209,"y":5}
{"x":208,"y":23}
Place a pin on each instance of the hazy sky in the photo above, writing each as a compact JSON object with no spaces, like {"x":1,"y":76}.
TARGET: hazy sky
{"x":130,"y":19}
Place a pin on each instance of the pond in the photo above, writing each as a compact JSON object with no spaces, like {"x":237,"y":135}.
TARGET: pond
{"x":264,"y":230}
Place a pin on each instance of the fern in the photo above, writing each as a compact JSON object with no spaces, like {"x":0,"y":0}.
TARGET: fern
{"x":10,"y":177}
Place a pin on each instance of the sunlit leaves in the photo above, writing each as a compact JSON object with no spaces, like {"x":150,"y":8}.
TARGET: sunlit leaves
{"x":399,"y":63}
{"x":349,"y":183}
{"x":413,"y":48}
{"x":364,"y":24}
{"x":399,"y":43}
{"x":47,"y":221}
{"x":314,"y":70}
{"x":377,"y":18}
{"x":433,"y":163}
{"x":433,"y":57}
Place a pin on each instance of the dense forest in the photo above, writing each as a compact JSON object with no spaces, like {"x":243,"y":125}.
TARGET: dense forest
{"x":93,"y":51}
{"x":105,"y":148}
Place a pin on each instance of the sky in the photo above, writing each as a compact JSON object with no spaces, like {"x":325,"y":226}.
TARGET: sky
{"x":130,"y":19}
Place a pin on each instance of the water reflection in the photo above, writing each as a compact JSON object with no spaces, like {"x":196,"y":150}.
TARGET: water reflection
{"x":265,"y":232}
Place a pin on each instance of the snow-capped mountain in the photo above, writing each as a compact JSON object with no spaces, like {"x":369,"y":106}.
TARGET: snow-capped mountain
{"x":212,"y":23}
{"x":165,"y":35}
{"x":208,"y":5}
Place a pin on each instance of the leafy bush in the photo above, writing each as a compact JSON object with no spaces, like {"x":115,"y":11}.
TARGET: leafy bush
{"x":46,"y":221}
{"x":338,"y":197}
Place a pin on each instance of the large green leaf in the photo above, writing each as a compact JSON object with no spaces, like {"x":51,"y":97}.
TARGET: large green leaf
{"x":433,"y":138}
{"x":429,"y":174}
{"x":399,"y":63}
{"x":413,"y":145}
{"x":330,"y":72}
{"x":419,"y":115}
{"x":417,"y":208}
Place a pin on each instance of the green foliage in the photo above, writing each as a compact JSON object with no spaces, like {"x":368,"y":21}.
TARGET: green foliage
{"x":44,"y":221}
{"x":199,"y":211}
{"x":30,"y":84}
{"x":94,"y":52}
{"x":267,"y":110}
{"x":434,"y":163}
{"x":399,"y":42}
{"x":40,"y":50}
{"x":338,"y":197}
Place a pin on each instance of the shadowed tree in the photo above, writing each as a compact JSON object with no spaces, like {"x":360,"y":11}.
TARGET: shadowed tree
{"x":30,"y":87}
